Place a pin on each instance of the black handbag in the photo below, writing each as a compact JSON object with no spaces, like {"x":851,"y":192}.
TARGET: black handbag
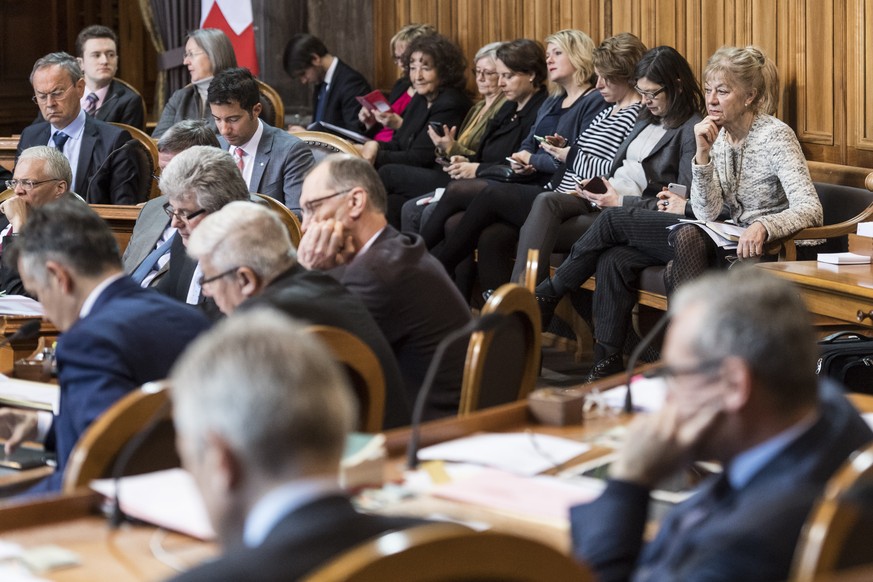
{"x":503,"y":173}
{"x":848,"y":358}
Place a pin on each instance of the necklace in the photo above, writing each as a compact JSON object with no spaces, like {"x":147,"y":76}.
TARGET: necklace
{"x":733,"y":167}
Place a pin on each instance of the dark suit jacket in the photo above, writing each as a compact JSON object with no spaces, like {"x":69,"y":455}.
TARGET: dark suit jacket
{"x":750,"y":535}
{"x":411,"y":145}
{"x":416,"y":305}
{"x":10,"y":279}
{"x":177,"y":280}
{"x":318,"y":298}
{"x":132,"y":336}
{"x":506,"y":130}
{"x":116,"y":181}
{"x":304,"y":540}
{"x":185,"y":103}
{"x":281,"y":163}
{"x":150,"y":225}
{"x":669,"y":161}
{"x":342,"y":108}
{"x":121,"y":106}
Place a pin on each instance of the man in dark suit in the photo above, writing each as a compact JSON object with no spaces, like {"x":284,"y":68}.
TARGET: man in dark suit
{"x":406,"y":290}
{"x":261,"y":413}
{"x":272,"y":161}
{"x":115,"y":336}
{"x":335,"y":84}
{"x":197,"y":182}
{"x":103,"y":173}
{"x":112,"y":100}
{"x":42,"y":175}
{"x":247,"y":260}
{"x":742,"y":390}
{"x":152,"y":229}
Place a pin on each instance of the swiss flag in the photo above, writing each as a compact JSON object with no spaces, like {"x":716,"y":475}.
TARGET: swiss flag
{"x":234,"y":17}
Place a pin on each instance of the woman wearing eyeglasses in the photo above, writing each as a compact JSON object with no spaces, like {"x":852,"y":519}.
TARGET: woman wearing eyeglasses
{"x":746,"y":161}
{"x":207,"y":51}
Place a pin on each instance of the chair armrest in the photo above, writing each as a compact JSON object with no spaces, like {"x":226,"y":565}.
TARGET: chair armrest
{"x":834,"y":230}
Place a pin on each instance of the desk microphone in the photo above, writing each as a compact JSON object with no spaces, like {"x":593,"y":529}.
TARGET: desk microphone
{"x":103,"y":164}
{"x":27,"y":330}
{"x":635,"y":355}
{"x":484,"y":323}
{"x":116,"y":515}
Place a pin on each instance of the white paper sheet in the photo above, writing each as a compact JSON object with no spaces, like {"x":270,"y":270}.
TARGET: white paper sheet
{"x":20,"y":305}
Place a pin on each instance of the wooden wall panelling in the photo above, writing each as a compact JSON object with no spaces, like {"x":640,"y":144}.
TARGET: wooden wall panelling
{"x":859,"y":76}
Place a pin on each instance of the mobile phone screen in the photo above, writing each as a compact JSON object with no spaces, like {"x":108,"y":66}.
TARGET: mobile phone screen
{"x":596,"y":185}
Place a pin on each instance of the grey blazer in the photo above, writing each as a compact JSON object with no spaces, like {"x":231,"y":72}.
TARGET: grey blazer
{"x":150,"y":223}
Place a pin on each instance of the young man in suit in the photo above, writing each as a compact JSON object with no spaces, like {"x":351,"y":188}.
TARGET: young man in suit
{"x":103,"y":172}
{"x":247,"y":260}
{"x":335,"y":84}
{"x":739,"y":368}
{"x":106,"y":98}
{"x":272,"y":161}
{"x":406,"y":290}
{"x":115,"y":336}
{"x":261,"y":413}
{"x":152,"y":229}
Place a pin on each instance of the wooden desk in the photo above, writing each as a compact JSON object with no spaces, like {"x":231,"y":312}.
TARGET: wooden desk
{"x":74,"y":523}
{"x":22,"y":348}
{"x":833,"y":291}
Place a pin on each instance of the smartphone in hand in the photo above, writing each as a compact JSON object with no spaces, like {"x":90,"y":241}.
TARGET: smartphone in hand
{"x":444,"y":161}
{"x":678,"y":189}
{"x":437,"y":127}
{"x":595,"y":185}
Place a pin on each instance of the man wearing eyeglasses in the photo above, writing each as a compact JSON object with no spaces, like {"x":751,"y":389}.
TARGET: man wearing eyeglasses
{"x":103,"y":173}
{"x":739,"y":368}
{"x":42,"y":175}
{"x":409,"y":294}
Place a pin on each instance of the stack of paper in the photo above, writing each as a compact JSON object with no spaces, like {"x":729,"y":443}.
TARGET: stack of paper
{"x":843,"y":259}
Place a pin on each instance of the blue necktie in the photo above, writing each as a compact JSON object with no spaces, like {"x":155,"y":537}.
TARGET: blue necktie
{"x":322,"y":101}
{"x":60,"y":138}
{"x":148,"y":263}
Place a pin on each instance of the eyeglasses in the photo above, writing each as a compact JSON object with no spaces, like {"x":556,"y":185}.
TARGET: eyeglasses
{"x":650,"y":95}
{"x":483,"y":73}
{"x":55,"y":95}
{"x":191,"y":54}
{"x":181,"y":214}
{"x":312,"y":206}
{"x":207,"y":280}
{"x":670,"y":373}
{"x":28,"y":185}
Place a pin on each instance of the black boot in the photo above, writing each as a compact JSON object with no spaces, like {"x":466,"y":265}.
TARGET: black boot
{"x":547,"y":299}
{"x":606,"y":363}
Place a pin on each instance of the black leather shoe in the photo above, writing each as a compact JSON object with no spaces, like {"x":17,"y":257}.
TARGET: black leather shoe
{"x":486,"y":294}
{"x":548,"y":300}
{"x":605,"y":367}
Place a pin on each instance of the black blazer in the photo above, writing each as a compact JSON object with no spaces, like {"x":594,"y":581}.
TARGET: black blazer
{"x":342,"y":108}
{"x":185,"y":103}
{"x":177,"y":280}
{"x":118,"y":179}
{"x":121,"y":106}
{"x":507,"y":129}
{"x":411,"y":145}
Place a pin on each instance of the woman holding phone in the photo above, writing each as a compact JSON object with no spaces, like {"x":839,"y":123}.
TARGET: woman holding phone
{"x":745,"y":160}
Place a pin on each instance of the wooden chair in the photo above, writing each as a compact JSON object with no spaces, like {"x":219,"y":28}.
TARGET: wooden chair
{"x":136,"y":91}
{"x":100,"y":444}
{"x":323,"y":144}
{"x":289,"y":219}
{"x":6,"y":194}
{"x":447,"y":552}
{"x":530,"y":270}
{"x":148,"y":185}
{"x":276,"y":115}
{"x":364,"y":370}
{"x":838,"y":531}
{"x":502,"y":364}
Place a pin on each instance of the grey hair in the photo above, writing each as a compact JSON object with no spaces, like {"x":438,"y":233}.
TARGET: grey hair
{"x":217,"y":47}
{"x":205,"y":174}
{"x":292,"y":414}
{"x":751,"y":69}
{"x":56,"y":165}
{"x":244,"y":234}
{"x":346,"y":172}
{"x":489,"y":51}
{"x":186,"y":133}
{"x":64,"y":60}
{"x":760,"y":319}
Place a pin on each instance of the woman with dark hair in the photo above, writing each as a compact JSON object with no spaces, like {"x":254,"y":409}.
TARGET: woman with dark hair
{"x":745,"y":160}
{"x":207,"y":52}
{"x":436,"y":68}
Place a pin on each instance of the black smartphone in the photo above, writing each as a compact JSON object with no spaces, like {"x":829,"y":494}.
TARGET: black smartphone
{"x":443,"y":161}
{"x":437,"y":127}
{"x":595,"y":185}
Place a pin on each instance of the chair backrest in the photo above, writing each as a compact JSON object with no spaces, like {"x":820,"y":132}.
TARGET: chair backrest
{"x":100,"y":444}
{"x":138,"y":94}
{"x":364,"y":371}
{"x":446,"y":552}
{"x":147,"y":163}
{"x":503,"y":363}
{"x":6,"y":194}
{"x":323,"y":144}
{"x":530,"y":270}
{"x":273,"y":111}
{"x":838,"y":531}
{"x":839,"y":204}
{"x":289,"y":219}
